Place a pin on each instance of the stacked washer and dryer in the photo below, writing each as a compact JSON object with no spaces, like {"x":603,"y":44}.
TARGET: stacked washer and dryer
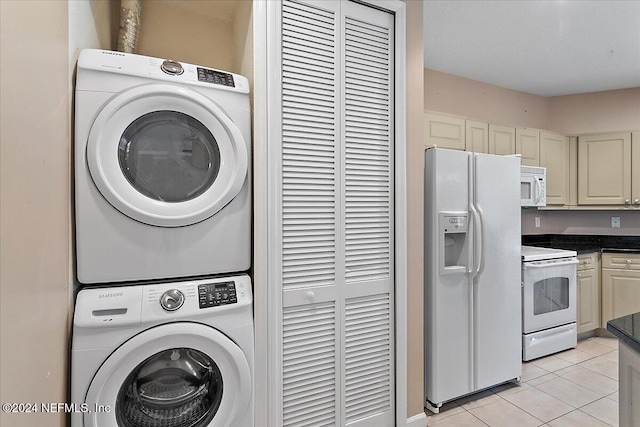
{"x":163,"y":324}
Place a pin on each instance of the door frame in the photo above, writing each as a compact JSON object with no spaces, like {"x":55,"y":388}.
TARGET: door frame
{"x":265,"y":29}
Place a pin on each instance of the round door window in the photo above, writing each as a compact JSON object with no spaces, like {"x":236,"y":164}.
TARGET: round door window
{"x":171,"y":166}
{"x":169,"y":156}
{"x":179,"y":387}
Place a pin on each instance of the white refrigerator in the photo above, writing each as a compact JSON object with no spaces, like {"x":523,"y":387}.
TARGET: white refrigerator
{"x":472,"y":310}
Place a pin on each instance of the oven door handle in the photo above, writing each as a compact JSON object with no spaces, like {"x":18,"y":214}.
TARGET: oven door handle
{"x":527,"y":265}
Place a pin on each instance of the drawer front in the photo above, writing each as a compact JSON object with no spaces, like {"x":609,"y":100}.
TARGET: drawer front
{"x":587,"y":261}
{"x":626,"y":261}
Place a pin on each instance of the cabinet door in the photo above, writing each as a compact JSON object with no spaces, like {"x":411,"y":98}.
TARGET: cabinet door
{"x":444,"y":131}
{"x":554,"y":155}
{"x":477,"y":136}
{"x":635,"y":169}
{"x":588,"y":301}
{"x":620,"y":293}
{"x":528,"y":145}
{"x":502,"y":139}
{"x":604,"y":169}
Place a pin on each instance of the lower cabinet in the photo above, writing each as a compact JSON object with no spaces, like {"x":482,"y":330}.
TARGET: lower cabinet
{"x":629,"y":368}
{"x":588,"y":288}
{"x":620,"y":285}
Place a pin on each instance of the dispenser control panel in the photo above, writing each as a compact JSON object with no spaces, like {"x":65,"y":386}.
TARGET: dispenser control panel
{"x":455,"y":223}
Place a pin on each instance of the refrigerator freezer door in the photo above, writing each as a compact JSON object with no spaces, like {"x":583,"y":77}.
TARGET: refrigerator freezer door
{"x":447,"y":297}
{"x":497,"y":302}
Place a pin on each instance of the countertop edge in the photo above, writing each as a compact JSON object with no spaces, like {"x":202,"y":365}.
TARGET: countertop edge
{"x":616,"y":327}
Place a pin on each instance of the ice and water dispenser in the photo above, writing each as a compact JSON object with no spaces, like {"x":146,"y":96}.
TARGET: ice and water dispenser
{"x":454,"y":242}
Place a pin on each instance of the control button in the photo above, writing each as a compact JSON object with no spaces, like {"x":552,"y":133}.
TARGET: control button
{"x":173,"y":68}
{"x":172,"y":300}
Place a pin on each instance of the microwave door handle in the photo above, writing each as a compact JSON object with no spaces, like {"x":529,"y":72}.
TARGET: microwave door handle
{"x":527,"y":265}
{"x":537,"y":189}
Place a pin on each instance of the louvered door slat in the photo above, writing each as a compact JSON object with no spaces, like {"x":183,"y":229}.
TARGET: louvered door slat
{"x":309,"y":363}
{"x":368,"y":222}
{"x":367,"y":356}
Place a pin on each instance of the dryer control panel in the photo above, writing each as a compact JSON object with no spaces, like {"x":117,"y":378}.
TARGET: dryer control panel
{"x":214,"y":294}
{"x":216,"y":77}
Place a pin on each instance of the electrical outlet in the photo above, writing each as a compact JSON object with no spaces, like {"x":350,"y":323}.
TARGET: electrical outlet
{"x":615,"y":222}
{"x":537,"y":219}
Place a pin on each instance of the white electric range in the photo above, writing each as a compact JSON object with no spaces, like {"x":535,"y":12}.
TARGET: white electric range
{"x":548,"y":301}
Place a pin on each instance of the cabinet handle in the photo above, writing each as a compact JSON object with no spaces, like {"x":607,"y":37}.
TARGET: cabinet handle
{"x":627,"y":201}
{"x":579,"y":275}
{"x":628,"y":262}
{"x":637,"y":201}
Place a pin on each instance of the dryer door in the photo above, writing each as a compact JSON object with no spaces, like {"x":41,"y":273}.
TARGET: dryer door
{"x":179,"y":374}
{"x":166,"y":155}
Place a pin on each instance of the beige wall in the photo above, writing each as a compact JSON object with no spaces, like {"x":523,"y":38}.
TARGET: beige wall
{"x":168,"y":31}
{"x":483,"y":101}
{"x":606,"y":111}
{"x":581,"y":222}
{"x":571,"y":114}
{"x":35,"y":207}
{"x":415,"y":197}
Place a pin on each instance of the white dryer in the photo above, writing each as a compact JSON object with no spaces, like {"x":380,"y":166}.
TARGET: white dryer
{"x":160,"y":355}
{"x":162,"y":160}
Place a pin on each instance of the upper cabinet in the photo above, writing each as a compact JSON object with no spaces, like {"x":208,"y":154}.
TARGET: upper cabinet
{"x":444,"y":131}
{"x":477,"y":136}
{"x":502,"y":139}
{"x":555,"y":155}
{"x":604,"y":169}
{"x":528,"y":146}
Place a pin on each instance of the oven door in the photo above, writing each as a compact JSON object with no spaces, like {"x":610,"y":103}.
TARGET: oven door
{"x":548,"y":293}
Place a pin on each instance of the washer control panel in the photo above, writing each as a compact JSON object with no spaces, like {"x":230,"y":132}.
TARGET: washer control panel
{"x":215,"y":294}
{"x":216,"y":77}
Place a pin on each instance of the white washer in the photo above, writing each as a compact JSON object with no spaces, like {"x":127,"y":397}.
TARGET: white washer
{"x":169,"y":354}
{"x":162,"y":159}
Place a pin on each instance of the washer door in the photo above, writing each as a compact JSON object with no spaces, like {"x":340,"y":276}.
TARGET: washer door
{"x":166,"y":155}
{"x":174,"y":375}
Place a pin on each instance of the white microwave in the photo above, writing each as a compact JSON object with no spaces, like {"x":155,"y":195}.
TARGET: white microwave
{"x":533,"y":186}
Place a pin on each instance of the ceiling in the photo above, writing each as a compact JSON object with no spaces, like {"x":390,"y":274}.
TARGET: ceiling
{"x":547,"y":48}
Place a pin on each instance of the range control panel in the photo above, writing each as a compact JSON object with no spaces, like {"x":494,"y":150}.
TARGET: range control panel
{"x":215,"y":294}
{"x":216,"y":77}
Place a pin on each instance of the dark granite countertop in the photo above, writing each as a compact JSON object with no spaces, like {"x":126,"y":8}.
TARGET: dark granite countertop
{"x":584,"y":244}
{"x":627,"y":329}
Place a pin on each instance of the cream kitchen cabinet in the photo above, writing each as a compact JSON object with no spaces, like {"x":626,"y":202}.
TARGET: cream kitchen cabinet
{"x":604,"y":169}
{"x":554,"y":155}
{"x":444,"y":131}
{"x":477,"y":136}
{"x":588,"y":288}
{"x":502,"y":139}
{"x":528,"y":146}
{"x":620,"y":285}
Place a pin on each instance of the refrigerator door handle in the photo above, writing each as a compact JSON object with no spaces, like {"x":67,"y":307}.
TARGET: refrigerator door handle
{"x":477,"y":241}
{"x":480,"y":241}
{"x":477,"y":220}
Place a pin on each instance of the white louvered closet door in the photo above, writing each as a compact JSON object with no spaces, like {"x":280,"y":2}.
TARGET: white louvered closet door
{"x":335,"y":214}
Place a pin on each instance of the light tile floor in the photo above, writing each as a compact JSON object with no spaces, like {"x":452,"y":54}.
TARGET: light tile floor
{"x":574,"y":388}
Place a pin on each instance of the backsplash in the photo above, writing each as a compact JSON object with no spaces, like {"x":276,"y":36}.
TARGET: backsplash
{"x":580,"y":222}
